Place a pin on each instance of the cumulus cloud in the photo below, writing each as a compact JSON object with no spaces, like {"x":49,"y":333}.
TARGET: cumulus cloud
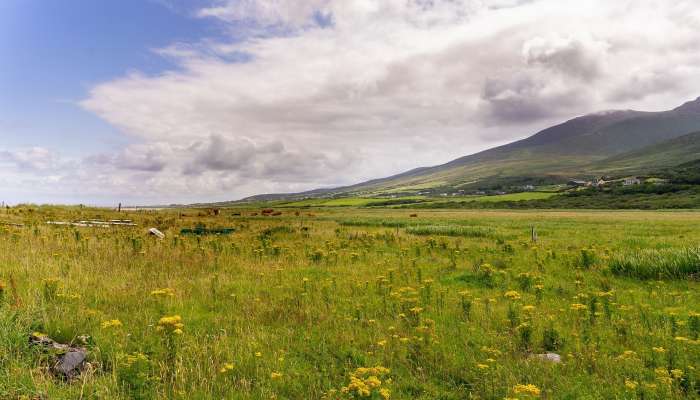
{"x":573,"y":56}
{"x":31,"y":159}
{"x":150,"y":157}
{"x":328,"y":92}
{"x":290,"y":13}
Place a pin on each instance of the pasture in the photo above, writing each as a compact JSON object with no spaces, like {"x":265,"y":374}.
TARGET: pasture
{"x":348,"y":303}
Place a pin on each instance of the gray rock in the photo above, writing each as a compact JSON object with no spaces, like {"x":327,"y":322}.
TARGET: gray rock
{"x":553,"y":357}
{"x":70,"y":364}
{"x":69,"y":361}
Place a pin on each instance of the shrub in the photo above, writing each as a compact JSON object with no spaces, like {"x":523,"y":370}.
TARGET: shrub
{"x":551,"y":339}
{"x":587,"y":258}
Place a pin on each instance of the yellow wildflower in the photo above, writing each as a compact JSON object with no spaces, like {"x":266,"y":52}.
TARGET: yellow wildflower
{"x":528,"y":389}
{"x":512,"y":295}
{"x":385,"y":393}
{"x":165,"y":292}
{"x":631,"y":385}
{"x":111,"y":323}
{"x":172,"y":324}
{"x":226,"y":368}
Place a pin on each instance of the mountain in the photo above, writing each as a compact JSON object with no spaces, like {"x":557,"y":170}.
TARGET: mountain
{"x":670,"y":153}
{"x":603,"y":142}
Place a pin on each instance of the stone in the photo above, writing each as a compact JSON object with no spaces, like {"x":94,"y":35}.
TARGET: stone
{"x":69,"y":361}
{"x":553,"y":357}
{"x":70,"y":364}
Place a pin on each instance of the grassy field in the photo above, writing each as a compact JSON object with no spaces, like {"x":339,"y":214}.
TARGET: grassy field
{"x":344,"y":202}
{"x":517,"y":196}
{"x":344,"y":303}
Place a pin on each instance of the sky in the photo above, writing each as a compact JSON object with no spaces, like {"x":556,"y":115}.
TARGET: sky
{"x":182,"y":101}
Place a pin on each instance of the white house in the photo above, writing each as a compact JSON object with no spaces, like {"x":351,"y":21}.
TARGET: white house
{"x":631,"y":181}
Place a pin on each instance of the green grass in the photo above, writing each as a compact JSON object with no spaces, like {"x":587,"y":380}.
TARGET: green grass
{"x":451,"y":230}
{"x":374,"y":222}
{"x":516,"y":197}
{"x":345,"y":202}
{"x":680,"y":263}
{"x":294,"y":306}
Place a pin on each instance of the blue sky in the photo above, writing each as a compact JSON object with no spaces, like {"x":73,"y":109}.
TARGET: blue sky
{"x":54,"y":51}
{"x":178,"y":101}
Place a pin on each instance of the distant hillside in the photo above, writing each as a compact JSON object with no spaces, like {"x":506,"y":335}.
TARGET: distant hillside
{"x":620,"y":140}
{"x":667,"y":154}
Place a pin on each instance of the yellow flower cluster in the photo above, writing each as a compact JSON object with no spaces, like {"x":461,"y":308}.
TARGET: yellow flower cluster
{"x":133,"y":358}
{"x":512,"y":295}
{"x":112,"y":323}
{"x":165,"y":292}
{"x":631,"y":385}
{"x":663,"y":376}
{"x":275,"y":375}
{"x":578,"y":307}
{"x":666,"y":377}
{"x":529,"y":389}
{"x":627,"y":355}
{"x":228,"y":367}
{"x":491,"y":351}
{"x":172,"y":325}
{"x":366,"y":382}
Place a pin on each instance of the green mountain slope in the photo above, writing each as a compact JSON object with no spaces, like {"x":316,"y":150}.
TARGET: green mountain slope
{"x":621,"y":140}
{"x":652,"y":158}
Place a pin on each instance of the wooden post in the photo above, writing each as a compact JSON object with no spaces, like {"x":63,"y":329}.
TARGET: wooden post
{"x":119,"y":209}
{"x":534,"y":234}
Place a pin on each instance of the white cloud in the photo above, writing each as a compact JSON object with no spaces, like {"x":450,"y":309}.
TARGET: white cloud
{"x":30,"y":159}
{"x":576,"y":57}
{"x":327,"y":92}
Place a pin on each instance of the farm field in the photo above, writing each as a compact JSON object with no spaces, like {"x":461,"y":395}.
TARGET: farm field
{"x":399,"y":201}
{"x":516,"y":196}
{"x":343,"y":303}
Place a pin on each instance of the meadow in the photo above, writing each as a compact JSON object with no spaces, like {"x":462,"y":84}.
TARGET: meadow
{"x":350,"y":303}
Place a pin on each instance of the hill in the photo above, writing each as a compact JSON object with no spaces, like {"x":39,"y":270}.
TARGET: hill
{"x":603,"y":142}
{"x":652,"y":158}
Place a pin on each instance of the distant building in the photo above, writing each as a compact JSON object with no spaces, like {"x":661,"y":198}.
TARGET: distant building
{"x":599,"y":182}
{"x":579,"y":183}
{"x":529,"y":187}
{"x":631,"y":181}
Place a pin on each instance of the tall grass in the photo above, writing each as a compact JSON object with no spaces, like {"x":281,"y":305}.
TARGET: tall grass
{"x":451,"y":230}
{"x":374,"y":222}
{"x":658,"y":264}
{"x":295,"y":308}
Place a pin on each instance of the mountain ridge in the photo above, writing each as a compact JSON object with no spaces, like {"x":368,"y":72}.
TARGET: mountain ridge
{"x":571,"y":148}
